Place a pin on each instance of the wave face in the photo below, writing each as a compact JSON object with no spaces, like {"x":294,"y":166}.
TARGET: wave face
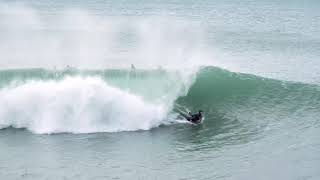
{"x":86,"y":101}
{"x":243,"y":97}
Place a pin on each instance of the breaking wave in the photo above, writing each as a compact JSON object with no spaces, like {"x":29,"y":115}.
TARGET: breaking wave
{"x":87,"y":101}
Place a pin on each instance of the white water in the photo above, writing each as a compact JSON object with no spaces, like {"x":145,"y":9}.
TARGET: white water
{"x":77,"y":105}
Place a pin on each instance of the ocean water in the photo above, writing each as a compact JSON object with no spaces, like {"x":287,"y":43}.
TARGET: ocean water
{"x":93,"y":89}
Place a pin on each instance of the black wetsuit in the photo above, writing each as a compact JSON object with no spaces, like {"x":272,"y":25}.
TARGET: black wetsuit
{"x":195,"y":118}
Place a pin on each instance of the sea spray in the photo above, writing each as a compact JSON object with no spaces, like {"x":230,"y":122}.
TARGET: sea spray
{"x":76,"y":37}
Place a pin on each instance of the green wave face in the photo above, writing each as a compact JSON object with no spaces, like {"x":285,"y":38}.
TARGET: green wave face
{"x":245,"y":104}
{"x":218,"y":89}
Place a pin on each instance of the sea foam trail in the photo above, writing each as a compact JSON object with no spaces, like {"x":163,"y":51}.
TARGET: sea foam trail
{"x":76,"y":105}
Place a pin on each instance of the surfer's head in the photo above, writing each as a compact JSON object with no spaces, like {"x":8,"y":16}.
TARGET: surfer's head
{"x":200,"y":111}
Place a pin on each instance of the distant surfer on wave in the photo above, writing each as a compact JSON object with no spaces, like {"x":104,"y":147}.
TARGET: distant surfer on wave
{"x":194,"y":118}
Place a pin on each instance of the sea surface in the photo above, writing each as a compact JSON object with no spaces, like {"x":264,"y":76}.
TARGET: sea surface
{"x":95,"y":89}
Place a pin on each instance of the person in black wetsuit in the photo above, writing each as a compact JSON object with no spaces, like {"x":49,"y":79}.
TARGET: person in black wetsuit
{"x":195,"y":118}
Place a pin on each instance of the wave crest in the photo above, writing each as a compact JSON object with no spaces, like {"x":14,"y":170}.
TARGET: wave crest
{"x":76,"y":105}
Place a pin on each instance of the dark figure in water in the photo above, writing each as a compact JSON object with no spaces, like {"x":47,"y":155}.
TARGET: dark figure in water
{"x":195,"y":118}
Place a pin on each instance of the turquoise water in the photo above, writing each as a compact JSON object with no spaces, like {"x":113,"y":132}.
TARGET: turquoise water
{"x":72,"y":108}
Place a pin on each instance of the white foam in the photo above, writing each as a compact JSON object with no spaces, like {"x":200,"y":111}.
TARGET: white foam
{"x":76,"y":105}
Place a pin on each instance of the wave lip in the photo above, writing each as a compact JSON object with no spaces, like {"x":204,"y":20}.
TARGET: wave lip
{"x":76,"y":105}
